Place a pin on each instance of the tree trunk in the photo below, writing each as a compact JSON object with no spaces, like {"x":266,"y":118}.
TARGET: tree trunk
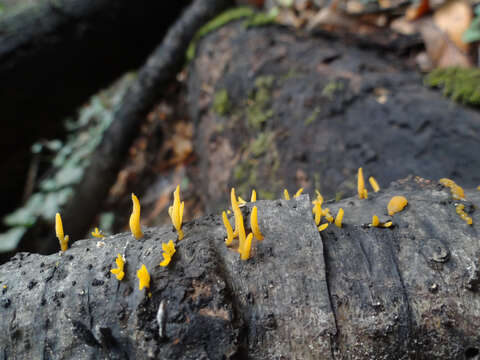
{"x":356,"y":292}
{"x":274,"y":110}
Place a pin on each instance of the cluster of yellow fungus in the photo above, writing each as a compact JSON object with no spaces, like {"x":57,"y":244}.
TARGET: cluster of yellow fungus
{"x":63,"y":239}
{"x":97,"y":233}
{"x":176,"y":212}
{"x":143,"y":277}
{"x":135,"y":218}
{"x":457,"y":191}
{"x":362,"y":191}
{"x":287,"y":195}
{"x":319,"y":212}
{"x":244,"y":241}
{"x":168,"y":251}
{"x":460,"y":208}
{"x":376,"y":222}
{"x":118,"y":272}
{"x":396,"y":204}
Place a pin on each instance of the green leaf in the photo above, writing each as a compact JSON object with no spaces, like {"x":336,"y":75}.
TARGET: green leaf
{"x":472,"y":34}
{"x":10,"y":239}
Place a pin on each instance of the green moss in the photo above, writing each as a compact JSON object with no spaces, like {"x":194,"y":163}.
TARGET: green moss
{"x":258,"y":105}
{"x":261,"y":19}
{"x":313,"y":116}
{"x":221,"y":103}
{"x":331,"y":88}
{"x":262,"y":143}
{"x":221,"y":20}
{"x":461,"y":85}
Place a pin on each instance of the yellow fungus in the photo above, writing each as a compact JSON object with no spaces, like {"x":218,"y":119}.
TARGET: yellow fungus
{"x":298,"y":193}
{"x":387,"y":224}
{"x":457,"y":191}
{"x":176,"y":212}
{"x":317,"y":210}
{"x":241,"y":202}
{"x":168,"y":251}
{"x":118,"y":272}
{"x":478,"y":187}
{"x":143,"y":277}
{"x":254,"y":224}
{"x":375,"y":221}
{"x":339,"y":218}
{"x":245,"y":252}
{"x":374,"y":184}
{"x":253,"y":198}
{"x":135,"y":227}
{"x":286,"y":194}
{"x":323,"y":227}
{"x":362,"y":192}
{"x":228,"y":227}
{"x":461,"y":212}
{"x":328,"y":216}
{"x":97,"y":233}
{"x":59,"y":232}
{"x":239,"y":227}
{"x":396,"y":204}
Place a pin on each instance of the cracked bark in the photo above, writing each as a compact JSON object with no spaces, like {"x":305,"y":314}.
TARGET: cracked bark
{"x":356,"y":292}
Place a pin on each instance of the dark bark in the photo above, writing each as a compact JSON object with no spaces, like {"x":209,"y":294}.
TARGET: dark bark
{"x":410,"y":291}
{"x":55,"y":55}
{"x":160,"y":68}
{"x":307,"y":112}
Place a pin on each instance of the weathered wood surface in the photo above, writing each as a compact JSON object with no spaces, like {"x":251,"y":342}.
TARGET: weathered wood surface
{"x":410,"y":291}
{"x":307,"y":112}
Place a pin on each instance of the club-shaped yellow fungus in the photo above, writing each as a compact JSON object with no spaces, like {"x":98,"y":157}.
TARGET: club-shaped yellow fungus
{"x":317,"y":210}
{"x":118,"y":272}
{"x":143,"y":277}
{"x":375,"y":221}
{"x":135,"y":227}
{"x":460,"y":208}
{"x":386,"y":225}
{"x":241,"y":201}
{"x":323,"y":227}
{"x":97,"y":233}
{"x":228,"y":227}
{"x":457,"y":191}
{"x":362,"y":192}
{"x":339,"y":218}
{"x":328,"y":216}
{"x":374,"y":184}
{"x":176,"y":212}
{"x":168,"y":251}
{"x":239,"y":227}
{"x":253,"y":198}
{"x":59,"y":231}
{"x":396,"y":204}
{"x":286,"y":194}
{"x":254,"y":224}
{"x":298,"y":193}
{"x":245,"y":251}
{"x":478,"y":187}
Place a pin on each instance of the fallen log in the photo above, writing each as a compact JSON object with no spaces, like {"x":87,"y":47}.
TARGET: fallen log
{"x":274,"y":109}
{"x":356,"y":292}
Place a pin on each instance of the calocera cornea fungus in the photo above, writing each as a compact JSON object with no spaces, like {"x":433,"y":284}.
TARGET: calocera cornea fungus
{"x":253,"y":198}
{"x":118,"y":272}
{"x":376,"y":222}
{"x":323,"y":227}
{"x":241,"y":202}
{"x":228,"y":227}
{"x":63,"y":239}
{"x":97,"y":233}
{"x":457,"y":191}
{"x":328,"y":216}
{"x":168,"y":251}
{"x":286,"y":194}
{"x":134,"y":222}
{"x":374,"y":184}
{"x":317,"y":208}
{"x":362,"y":191}
{"x":339,"y":218}
{"x":239,"y":226}
{"x":254,"y":224}
{"x":176,"y":212}
{"x":247,"y":246}
{"x":143,"y":277}
{"x":298,"y":193}
{"x":460,"y":209}
{"x":396,"y":204}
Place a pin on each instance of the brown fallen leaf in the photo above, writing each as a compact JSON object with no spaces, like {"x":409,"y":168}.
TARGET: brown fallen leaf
{"x":454,"y":18}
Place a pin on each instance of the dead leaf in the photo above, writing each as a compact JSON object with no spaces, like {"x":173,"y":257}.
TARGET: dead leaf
{"x":454,"y":19}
